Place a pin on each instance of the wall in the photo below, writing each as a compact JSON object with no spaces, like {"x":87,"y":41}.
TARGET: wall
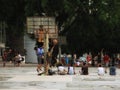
{"x":29,"y":45}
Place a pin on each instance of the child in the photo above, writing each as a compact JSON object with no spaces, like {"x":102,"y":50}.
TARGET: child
{"x":84,"y":69}
{"x":112,"y":70}
{"x":61,"y":69}
{"x":71,"y":70}
{"x":101,"y":70}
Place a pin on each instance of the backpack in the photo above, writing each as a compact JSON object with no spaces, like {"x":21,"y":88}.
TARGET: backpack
{"x":40,"y":51}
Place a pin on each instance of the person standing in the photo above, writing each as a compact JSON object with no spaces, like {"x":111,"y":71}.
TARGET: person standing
{"x":99,"y":58}
{"x":54,"y":52}
{"x":49,"y":58}
{"x":89,"y":58}
{"x":40,"y":58}
{"x":4,"y":58}
{"x":10,"y":55}
{"x":66,"y":60}
{"x":106,"y":59}
{"x":118,"y":60}
{"x":74,"y":58}
{"x":39,"y":35}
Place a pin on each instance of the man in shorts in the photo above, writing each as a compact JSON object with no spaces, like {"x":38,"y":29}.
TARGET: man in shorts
{"x":40,"y":58}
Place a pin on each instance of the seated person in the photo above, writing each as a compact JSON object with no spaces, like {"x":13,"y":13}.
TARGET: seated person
{"x":17,"y":59}
{"x":84,"y":69}
{"x":71,"y":70}
{"x":51,"y":72}
{"x":61,"y":69}
{"x":112,"y":70}
{"x":101,"y":70}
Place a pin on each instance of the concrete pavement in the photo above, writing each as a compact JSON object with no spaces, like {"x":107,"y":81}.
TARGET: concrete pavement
{"x":23,"y":78}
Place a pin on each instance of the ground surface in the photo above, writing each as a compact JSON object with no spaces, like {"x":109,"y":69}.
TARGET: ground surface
{"x":25,"y":77}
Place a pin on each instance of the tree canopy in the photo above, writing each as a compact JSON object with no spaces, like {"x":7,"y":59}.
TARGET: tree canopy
{"x":89,"y":25}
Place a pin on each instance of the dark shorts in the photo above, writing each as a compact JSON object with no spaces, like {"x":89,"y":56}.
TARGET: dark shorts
{"x":40,"y":60}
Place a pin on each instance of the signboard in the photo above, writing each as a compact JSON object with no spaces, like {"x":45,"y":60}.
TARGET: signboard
{"x":48,"y":24}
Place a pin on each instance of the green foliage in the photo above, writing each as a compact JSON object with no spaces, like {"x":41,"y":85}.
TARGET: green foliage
{"x":89,"y":24}
{"x":95,"y":26}
{"x":13,"y":14}
{"x":33,"y":7}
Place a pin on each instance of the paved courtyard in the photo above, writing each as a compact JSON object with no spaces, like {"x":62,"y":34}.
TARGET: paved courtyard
{"x":25,"y":77}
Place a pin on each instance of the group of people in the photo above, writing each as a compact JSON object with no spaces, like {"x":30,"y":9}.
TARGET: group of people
{"x":62,"y":71}
{"x":51,"y":55}
{"x":69,"y":70}
{"x":100,"y":59}
{"x":10,"y":55}
{"x":103,"y":62}
{"x":102,"y":70}
{"x":84,"y":70}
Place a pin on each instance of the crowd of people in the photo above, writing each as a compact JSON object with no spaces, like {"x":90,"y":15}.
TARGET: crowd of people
{"x":102,"y":60}
{"x":12,"y":56}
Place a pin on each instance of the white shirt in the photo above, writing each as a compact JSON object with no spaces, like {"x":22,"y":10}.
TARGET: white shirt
{"x":71,"y":70}
{"x":20,"y":57}
{"x":78,"y":63}
{"x":61,"y":68}
{"x":101,"y":71}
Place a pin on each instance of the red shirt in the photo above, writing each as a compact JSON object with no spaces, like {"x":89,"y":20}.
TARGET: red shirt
{"x":106,"y":58}
{"x":88,"y":58}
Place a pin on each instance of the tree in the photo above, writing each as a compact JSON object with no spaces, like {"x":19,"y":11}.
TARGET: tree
{"x":89,"y":24}
{"x":12,"y":12}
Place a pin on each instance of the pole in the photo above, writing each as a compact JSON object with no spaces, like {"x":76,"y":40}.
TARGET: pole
{"x":45,"y":53}
{"x":59,"y":48}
